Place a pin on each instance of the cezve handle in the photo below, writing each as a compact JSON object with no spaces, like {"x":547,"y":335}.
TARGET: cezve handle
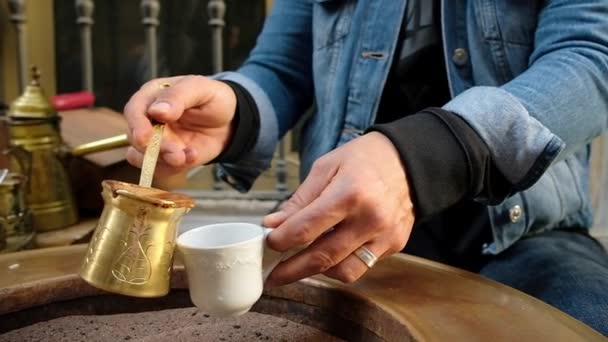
{"x":151,"y":157}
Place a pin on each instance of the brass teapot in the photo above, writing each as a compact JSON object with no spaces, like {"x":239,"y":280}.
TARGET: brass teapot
{"x":33,"y":125}
{"x":131,"y":251}
{"x":15,"y":217}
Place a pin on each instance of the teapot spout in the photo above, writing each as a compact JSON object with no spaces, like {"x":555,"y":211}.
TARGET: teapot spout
{"x":101,"y":145}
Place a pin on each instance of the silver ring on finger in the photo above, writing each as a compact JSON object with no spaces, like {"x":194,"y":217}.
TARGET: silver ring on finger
{"x":366,"y":256}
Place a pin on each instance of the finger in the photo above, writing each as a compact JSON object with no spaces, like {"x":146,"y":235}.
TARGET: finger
{"x":171,"y":153}
{"x":192,"y":155}
{"x":352,"y":268}
{"x":184,"y":93}
{"x":172,"y":149}
{"x":307,"y":224}
{"x":134,"y":157}
{"x":275,"y":219}
{"x":323,"y":254}
{"x":140,"y":127}
{"x":163,"y":169}
{"x":318,"y":178}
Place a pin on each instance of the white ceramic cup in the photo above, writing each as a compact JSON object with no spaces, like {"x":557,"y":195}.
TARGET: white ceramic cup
{"x":227,"y":264}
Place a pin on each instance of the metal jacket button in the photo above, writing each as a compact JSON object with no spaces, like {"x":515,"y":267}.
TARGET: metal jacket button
{"x":515,"y":213}
{"x":460,"y":57}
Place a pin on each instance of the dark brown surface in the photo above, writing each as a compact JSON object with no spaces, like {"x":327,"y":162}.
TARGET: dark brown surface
{"x":73,"y":297}
{"x":79,"y":232}
{"x":80,"y":126}
{"x":184,"y":324}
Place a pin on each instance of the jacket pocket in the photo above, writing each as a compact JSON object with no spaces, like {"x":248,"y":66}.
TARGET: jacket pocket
{"x":331,"y":21}
{"x":508,"y":28}
{"x":508,"y":21}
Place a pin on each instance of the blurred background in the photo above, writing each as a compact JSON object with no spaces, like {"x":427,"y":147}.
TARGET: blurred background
{"x":91,"y":57}
{"x":52,"y":39}
{"x":120,"y":63}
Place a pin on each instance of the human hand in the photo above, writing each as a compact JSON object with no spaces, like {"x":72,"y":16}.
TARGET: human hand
{"x":197,"y":112}
{"x":361,"y":191}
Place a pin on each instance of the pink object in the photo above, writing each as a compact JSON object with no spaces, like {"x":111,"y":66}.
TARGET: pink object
{"x":74,"y":100}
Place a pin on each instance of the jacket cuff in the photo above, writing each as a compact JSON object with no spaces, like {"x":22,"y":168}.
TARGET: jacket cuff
{"x":446,"y":160}
{"x":246,"y":126}
{"x":242,"y":173}
{"x":523,"y":148}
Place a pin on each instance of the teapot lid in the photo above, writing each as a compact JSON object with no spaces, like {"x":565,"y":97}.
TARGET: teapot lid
{"x":32,"y":104}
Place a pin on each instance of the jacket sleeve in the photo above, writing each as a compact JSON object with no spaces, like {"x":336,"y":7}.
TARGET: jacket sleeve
{"x":554,"y":108}
{"x":278,"y":76}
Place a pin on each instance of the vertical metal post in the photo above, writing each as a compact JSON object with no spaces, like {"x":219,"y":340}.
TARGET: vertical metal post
{"x":217,"y":10}
{"x":150,"y":10}
{"x":84,"y":10}
{"x":17,"y":16}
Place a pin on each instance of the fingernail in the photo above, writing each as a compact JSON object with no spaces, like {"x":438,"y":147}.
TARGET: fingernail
{"x":276,"y":215}
{"x":162,"y":107}
{"x":272,"y":219}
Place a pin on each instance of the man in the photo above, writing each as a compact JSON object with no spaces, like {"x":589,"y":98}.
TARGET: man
{"x":462,"y":126}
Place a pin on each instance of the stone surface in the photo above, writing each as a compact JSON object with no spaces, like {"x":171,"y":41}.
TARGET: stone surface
{"x":401,"y":298}
{"x":186,"y":324}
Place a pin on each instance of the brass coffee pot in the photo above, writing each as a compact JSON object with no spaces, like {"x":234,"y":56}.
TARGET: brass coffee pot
{"x":131,"y":251}
{"x":33,"y":125}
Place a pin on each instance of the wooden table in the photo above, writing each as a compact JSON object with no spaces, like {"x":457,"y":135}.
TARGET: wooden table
{"x":80,"y":232}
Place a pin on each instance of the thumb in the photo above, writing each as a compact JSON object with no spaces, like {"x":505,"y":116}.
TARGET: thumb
{"x":187,"y":92}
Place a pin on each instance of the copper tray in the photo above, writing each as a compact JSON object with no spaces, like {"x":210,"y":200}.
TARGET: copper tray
{"x":403,"y":298}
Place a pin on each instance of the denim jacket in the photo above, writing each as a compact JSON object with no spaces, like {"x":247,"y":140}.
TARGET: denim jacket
{"x":531,"y":77}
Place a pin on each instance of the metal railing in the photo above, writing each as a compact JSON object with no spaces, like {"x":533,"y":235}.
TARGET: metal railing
{"x":84,"y":10}
{"x":150,"y":14}
{"x":17,"y":17}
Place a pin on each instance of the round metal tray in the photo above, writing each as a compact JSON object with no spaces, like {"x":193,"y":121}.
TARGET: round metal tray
{"x":402,"y":298}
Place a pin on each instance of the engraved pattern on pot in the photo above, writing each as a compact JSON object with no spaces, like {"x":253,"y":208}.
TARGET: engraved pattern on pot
{"x":165,"y":263}
{"x":133,"y":266}
{"x":96,"y":240}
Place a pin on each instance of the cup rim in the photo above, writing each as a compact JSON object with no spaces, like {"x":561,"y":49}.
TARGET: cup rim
{"x":182,"y":244}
